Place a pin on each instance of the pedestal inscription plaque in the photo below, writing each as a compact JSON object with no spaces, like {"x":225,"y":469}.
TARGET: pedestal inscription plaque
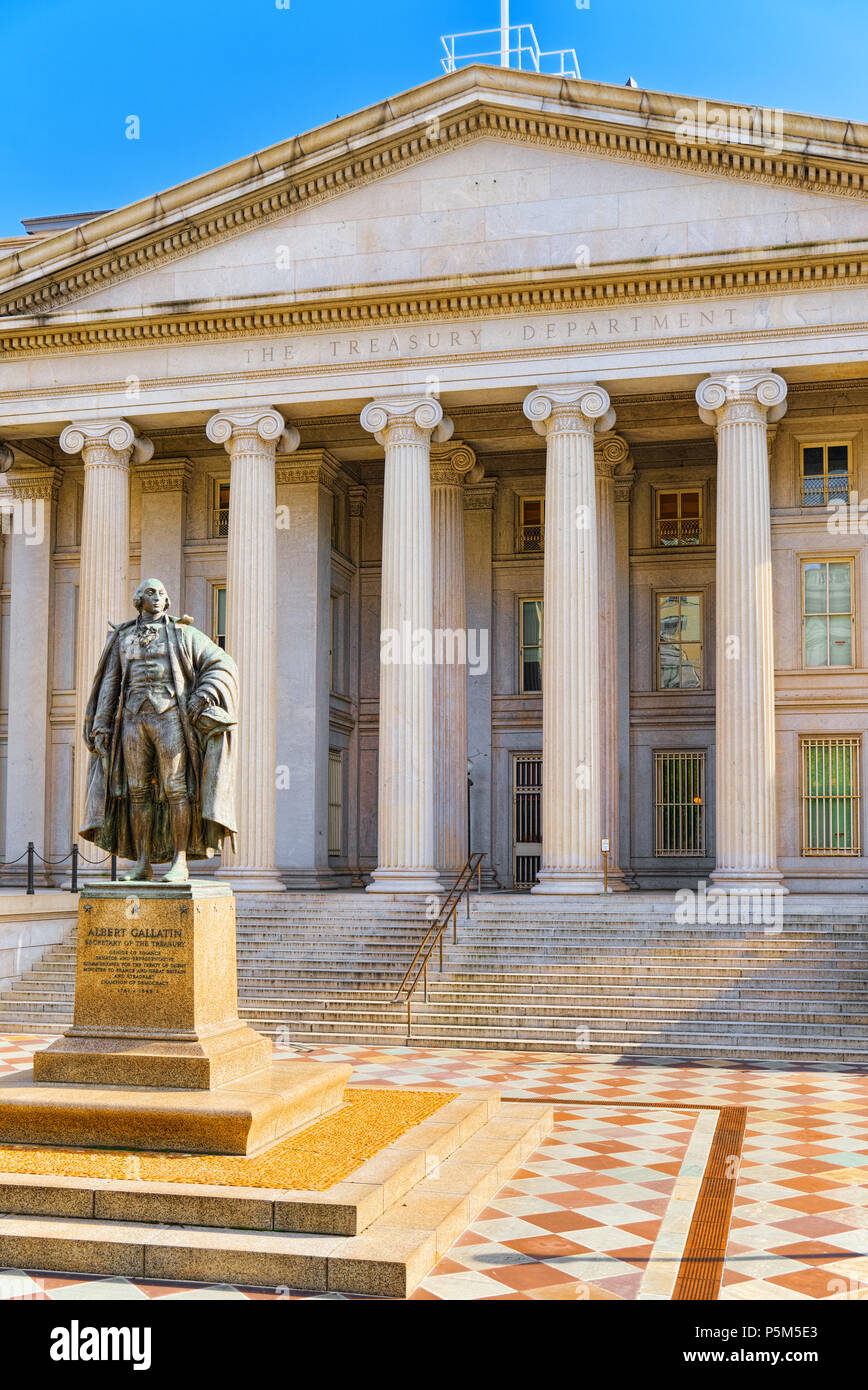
{"x":156,"y":991}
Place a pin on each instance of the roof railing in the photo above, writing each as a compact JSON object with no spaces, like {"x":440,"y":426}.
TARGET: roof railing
{"x":522,"y":49}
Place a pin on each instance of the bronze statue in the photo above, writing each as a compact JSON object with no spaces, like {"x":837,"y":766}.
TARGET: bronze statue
{"x":159,"y":729}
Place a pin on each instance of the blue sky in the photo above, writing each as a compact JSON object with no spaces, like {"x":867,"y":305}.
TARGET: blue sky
{"x":211,"y":80}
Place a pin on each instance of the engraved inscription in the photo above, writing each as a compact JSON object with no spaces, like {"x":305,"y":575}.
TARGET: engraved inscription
{"x":134,"y":960}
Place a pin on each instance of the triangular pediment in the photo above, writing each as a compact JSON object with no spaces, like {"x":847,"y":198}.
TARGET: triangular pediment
{"x":469,"y":180}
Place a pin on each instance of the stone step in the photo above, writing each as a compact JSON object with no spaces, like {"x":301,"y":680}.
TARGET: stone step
{"x":421,"y":1216}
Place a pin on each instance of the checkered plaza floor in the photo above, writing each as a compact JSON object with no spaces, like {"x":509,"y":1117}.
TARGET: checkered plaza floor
{"x":612,"y":1205}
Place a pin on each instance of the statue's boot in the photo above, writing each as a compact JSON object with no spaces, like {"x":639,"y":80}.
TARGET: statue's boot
{"x":141,"y":820}
{"x":180,"y":814}
{"x":140,"y":872}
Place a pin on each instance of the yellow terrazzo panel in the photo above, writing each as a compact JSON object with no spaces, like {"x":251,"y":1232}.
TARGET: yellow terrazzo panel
{"x":313,"y":1160}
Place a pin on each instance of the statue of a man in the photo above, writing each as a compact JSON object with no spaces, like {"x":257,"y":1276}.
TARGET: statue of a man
{"x":158,"y":726}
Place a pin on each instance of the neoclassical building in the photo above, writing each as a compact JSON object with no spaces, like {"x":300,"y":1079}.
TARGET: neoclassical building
{"x":511,"y":436}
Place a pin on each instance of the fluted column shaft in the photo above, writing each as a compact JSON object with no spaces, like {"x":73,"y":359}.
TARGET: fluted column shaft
{"x":106,"y":447}
{"x":405,"y":842}
{"x":609,"y":453}
{"x":571,"y":855}
{"x":28,"y":509}
{"x":741,"y":405}
{"x":252,"y":437}
{"x":450,"y":676}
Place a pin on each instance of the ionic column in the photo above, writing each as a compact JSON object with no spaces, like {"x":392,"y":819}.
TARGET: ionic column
{"x":106,"y":447}
{"x":28,"y":509}
{"x":253,"y":437}
{"x":305,"y":493}
{"x":405,"y":840}
{"x":609,"y":454}
{"x":740,"y":405}
{"x":567,"y":417}
{"x":450,"y":465}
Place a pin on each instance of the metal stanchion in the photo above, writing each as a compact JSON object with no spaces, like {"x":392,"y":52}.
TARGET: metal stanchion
{"x":30,"y":853}
{"x":114,"y":868}
{"x":74,"y":888}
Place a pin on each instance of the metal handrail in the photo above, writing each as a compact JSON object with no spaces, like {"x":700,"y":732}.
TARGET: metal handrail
{"x":434,"y":935}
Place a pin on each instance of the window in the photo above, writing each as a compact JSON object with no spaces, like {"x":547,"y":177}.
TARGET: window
{"x":220,"y":513}
{"x":336,"y":802}
{"x":530,"y":645}
{"x":526,"y":818}
{"x":679,"y":641}
{"x":831,"y":818}
{"x":825,"y":473}
{"x":680,"y":804}
{"x":218,"y":622}
{"x":679,"y":518}
{"x":531,"y":525}
{"x":827,"y":612}
{"x":333,"y":631}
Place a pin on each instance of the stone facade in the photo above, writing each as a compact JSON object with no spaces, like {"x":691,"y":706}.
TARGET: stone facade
{"x":387,"y":339}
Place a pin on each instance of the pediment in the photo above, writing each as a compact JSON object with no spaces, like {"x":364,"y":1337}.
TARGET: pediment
{"x":463,"y":188}
{"x":489,"y":208}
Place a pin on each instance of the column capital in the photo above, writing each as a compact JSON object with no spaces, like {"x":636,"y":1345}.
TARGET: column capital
{"x":36,"y":484}
{"x":311,"y":466}
{"x":624,"y":486}
{"x":358,"y":496}
{"x":727,"y":397}
{"x":611,"y":453}
{"x":454,"y":463}
{"x":260,"y":424}
{"x":113,"y":436}
{"x":169,"y":475}
{"x":578,"y":407}
{"x":421,"y":417}
{"x":480,"y":497}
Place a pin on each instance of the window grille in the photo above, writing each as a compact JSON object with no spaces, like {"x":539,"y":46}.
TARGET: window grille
{"x":831,"y":796}
{"x":527,"y":818}
{"x":680,"y":804}
{"x":336,"y":802}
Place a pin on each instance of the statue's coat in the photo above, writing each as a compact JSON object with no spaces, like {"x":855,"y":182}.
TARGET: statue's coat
{"x":199,"y":667}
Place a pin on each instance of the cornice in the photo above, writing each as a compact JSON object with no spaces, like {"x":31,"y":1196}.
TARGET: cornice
{"x":535,"y":109}
{"x":378,"y":307}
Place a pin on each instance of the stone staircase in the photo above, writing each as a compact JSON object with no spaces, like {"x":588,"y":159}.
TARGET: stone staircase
{"x":613,"y":977}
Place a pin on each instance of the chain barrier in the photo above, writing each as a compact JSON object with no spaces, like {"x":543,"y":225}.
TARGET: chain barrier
{"x":31,"y":854}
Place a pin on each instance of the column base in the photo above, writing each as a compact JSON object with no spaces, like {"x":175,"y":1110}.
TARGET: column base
{"x":405,"y":881}
{"x":749,"y":881}
{"x":252,"y":880}
{"x":566,"y":881}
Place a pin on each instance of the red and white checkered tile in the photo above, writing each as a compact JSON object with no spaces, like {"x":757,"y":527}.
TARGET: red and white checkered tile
{"x":591,"y":1215}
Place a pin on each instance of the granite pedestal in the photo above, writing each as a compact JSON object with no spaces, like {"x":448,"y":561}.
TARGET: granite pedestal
{"x":157,"y":1056}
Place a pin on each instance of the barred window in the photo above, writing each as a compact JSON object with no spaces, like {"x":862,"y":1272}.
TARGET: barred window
{"x":531,"y":527}
{"x":680,"y":804}
{"x":831,"y":795}
{"x":336,"y":802}
{"x":679,"y":518}
{"x":220,"y":512}
{"x":526,"y":818}
{"x":825,"y":474}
